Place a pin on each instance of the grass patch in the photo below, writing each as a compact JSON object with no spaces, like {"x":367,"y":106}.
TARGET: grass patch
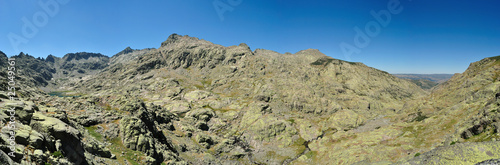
{"x":57,"y":154}
{"x":117,"y":148}
{"x":417,"y":132}
{"x":208,"y":106}
{"x":300,"y":142}
{"x":63,"y":94}
{"x":420,"y":117}
{"x":495,"y":58}
{"x":310,"y":154}
{"x":343,"y":138}
{"x":93,"y":133}
{"x":206,"y":82}
{"x":200,"y":87}
{"x":322,"y":61}
{"x":484,"y":136}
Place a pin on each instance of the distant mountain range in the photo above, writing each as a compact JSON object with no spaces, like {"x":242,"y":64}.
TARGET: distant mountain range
{"x":439,"y":78}
{"x":425,"y":81}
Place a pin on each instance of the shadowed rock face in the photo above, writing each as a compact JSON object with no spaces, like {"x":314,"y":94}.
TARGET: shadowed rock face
{"x":194,"y":102}
{"x":82,"y":55}
{"x":53,"y":71}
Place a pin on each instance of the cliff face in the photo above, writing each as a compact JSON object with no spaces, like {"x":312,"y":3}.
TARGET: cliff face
{"x":194,"y":102}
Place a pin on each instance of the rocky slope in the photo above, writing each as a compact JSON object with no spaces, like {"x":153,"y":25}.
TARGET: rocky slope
{"x":256,"y":106}
{"x":464,"y":109}
{"x":194,"y":102}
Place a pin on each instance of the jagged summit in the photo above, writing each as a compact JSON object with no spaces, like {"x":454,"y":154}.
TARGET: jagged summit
{"x":125,"y":51}
{"x":82,"y":55}
{"x":21,"y":54}
{"x":3,"y":58}
{"x":171,"y":39}
{"x":311,"y":52}
{"x":176,"y":39}
{"x":51,"y":58}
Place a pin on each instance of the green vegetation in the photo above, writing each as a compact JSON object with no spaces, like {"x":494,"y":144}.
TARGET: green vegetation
{"x":93,"y":133}
{"x":57,"y":154}
{"x":322,"y":61}
{"x":384,"y":72}
{"x":310,"y":154}
{"x":206,"y":82}
{"x":495,"y":58}
{"x":63,"y":94}
{"x":417,"y":154}
{"x":117,"y":148}
{"x":420,"y":117}
{"x":424,"y":83}
{"x":485,"y":136}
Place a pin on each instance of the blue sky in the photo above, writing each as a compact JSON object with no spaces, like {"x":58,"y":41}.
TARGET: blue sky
{"x":425,"y":36}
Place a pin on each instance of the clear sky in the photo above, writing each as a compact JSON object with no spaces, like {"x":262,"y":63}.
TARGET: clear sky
{"x":422,"y":36}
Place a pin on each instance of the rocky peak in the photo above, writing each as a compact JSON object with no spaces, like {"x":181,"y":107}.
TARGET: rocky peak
{"x":171,"y":39}
{"x":50,"y":58}
{"x":3,"y":58}
{"x":266,"y":52}
{"x":82,"y":55}
{"x":21,"y":55}
{"x":125,"y":51}
{"x":245,"y":46}
{"x":311,"y":52}
{"x":177,"y":41}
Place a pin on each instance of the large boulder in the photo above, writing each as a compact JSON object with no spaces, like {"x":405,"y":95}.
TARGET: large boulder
{"x":136,"y":136}
{"x":95,"y":148}
{"x":345,"y":120}
{"x":178,"y":107}
{"x":197,"y":95}
{"x":22,"y":110}
{"x":57,"y":130}
{"x":5,"y":159}
{"x":202,"y":114}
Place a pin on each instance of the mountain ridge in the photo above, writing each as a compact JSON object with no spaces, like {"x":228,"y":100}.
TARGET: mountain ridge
{"x":195,"y":102}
